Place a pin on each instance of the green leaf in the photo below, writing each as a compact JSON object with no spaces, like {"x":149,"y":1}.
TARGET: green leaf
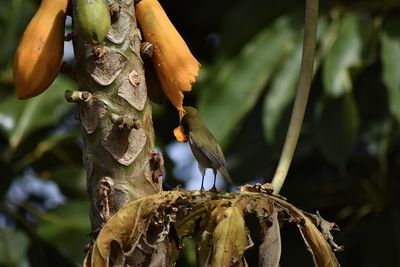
{"x":66,"y":228}
{"x":71,"y":180}
{"x":50,"y":144}
{"x":344,"y":55}
{"x":247,"y":18}
{"x":14,"y":247}
{"x":20,"y":118}
{"x":390,"y":55}
{"x":237,"y":83}
{"x":14,"y":17}
{"x":338,"y":128}
{"x":284,"y":83}
{"x":282,"y":91}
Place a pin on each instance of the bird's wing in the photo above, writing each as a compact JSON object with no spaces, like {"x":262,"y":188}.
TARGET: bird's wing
{"x":212,"y":153}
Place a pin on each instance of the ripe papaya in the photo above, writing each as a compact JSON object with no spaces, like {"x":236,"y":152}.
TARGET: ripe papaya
{"x":91,"y":20}
{"x":173,"y":62}
{"x":38,"y":58}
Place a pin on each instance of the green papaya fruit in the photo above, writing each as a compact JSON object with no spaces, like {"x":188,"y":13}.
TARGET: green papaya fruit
{"x":91,"y":20}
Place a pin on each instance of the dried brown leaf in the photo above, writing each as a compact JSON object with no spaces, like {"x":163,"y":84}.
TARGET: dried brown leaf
{"x":125,"y":227}
{"x":207,"y":226}
{"x":203,"y":253}
{"x":136,"y":233}
{"x":186,"y":221}
{"x":320,"y":250}
{"x":160,"y":256}
{"x":326,"y":227}
{"x":318,"y":246}
{"x":230,"y":238}
{"x":129,"y":227}
{"x":270,"y":249}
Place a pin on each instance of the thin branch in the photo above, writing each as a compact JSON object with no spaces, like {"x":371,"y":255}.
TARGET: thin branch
{"x":303,"y":89}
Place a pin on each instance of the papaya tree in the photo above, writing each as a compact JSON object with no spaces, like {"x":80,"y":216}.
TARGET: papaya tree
{"x":133,"y":221}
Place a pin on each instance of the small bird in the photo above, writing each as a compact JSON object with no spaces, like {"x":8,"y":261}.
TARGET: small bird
{"x":204,"y":146}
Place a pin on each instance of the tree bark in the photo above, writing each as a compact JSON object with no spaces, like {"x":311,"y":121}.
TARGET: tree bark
{"x":116,"y":118}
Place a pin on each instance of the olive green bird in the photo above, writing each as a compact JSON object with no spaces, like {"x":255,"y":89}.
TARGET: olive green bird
{"x":204,"y":146}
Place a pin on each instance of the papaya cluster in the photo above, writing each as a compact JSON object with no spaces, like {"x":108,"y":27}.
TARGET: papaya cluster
{"x":39,"y":55}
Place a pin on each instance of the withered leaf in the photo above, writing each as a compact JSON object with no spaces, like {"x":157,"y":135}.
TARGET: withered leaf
{"x":326,"y":228}
{"x":270,"y":249}
{"x":127,"y":227}
{"x":160,"y":256}
{"x":137,"y":233}
{"x":186,"y":221}
{"x":203,"y":251}
{"x":117,"y":257}
{"x":319,"y":248}
{"x":230,"y":238}
{"x":317,"y":245}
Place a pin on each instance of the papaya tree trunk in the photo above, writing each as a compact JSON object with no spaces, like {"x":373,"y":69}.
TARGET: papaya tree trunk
{"x":116,"y":122}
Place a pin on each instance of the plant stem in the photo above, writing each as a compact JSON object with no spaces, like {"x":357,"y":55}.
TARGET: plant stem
{"x":303,"y":90}
{"x":115,"y":114}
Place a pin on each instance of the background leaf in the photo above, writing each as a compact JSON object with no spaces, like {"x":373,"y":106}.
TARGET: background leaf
{"x":63,"y":228}
{"x":237,"y":83}
{"x":390,"y":55}
{"x":234,"y":36}
{"x":14,"y":16}
{"x":14,"y":247}
{"x":337,"y":128}
{"x":281,"y":91}
{"x":344,"y":55}
{"x":20,"y":118}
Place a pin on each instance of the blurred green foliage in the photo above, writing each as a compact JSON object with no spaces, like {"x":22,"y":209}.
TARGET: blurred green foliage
{"x":347,"y":164}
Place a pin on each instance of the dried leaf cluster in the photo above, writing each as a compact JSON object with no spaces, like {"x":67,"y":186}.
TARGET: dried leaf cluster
{"x":134,"y":236}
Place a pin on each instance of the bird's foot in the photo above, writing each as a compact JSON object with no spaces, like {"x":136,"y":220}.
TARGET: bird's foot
{"x":202,"y":190}
{"x":214,"y":189}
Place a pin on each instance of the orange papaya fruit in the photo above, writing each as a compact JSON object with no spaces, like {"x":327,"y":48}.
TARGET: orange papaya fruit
{"x":173,"y":62}
{"x":39,"y":55}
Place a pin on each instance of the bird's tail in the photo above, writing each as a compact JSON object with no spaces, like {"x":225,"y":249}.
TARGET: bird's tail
{"x":224,"y":172}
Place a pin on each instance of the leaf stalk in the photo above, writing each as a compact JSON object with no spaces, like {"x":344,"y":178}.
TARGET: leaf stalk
{"x":303,"y":90}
